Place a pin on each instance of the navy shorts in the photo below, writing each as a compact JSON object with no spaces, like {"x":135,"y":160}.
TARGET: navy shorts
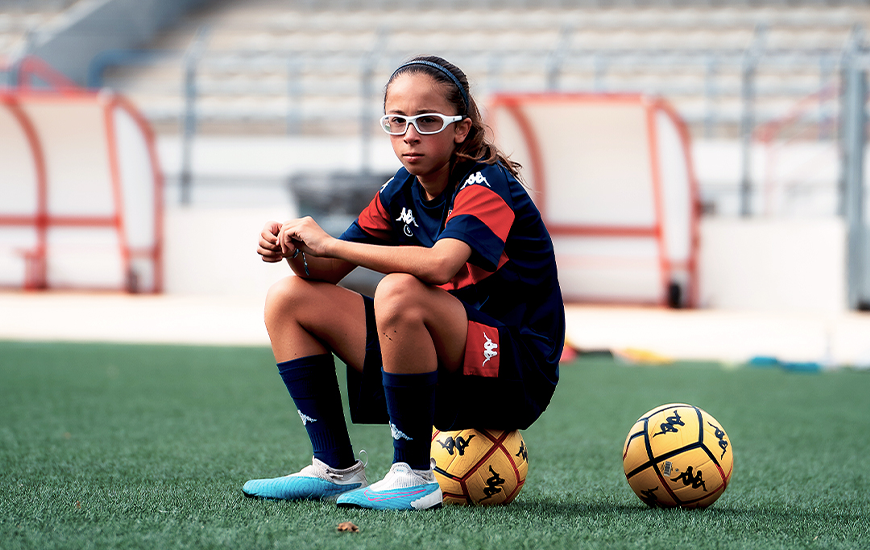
{"x":499,"y":386}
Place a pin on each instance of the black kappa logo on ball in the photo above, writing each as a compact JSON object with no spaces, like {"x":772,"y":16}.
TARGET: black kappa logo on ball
{"x":523,"y":451}
{"x":492,"y":484}
{"x":695,"y":480}
{"x":720,"y":435}
{"x":670,"y":424}
{"x":648,"y":496}
{"x":459,"y":444}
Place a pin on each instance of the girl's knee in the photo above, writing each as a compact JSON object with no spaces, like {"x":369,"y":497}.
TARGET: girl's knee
{"x":398,"y":287}
{"x":398,"y":294}
{"x":284,"y":297}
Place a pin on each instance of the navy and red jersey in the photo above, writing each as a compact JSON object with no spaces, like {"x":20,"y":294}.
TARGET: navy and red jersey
{"x":511,"y":273}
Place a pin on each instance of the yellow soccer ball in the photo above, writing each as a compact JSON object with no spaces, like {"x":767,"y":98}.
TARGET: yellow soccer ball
{"x":480,"y":466}
{"x":678,"y":455}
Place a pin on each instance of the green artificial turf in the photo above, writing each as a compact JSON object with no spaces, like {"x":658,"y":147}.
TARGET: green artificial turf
{"x":115,"y":446}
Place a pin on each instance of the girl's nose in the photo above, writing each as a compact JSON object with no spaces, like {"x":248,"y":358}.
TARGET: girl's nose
{"x":411,"y":134}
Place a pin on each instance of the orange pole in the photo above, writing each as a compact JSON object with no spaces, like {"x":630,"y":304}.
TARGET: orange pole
{"x":37,"y":265}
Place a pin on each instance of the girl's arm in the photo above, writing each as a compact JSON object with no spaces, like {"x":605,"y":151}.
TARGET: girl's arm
{"x":435,"y":266}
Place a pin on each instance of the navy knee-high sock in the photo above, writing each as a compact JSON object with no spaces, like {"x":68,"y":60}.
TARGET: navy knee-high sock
{"x":411,"y":406}
{"x":313,"y":385}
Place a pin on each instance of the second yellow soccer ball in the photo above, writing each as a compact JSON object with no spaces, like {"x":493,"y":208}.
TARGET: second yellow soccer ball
{"x":678,"y":455}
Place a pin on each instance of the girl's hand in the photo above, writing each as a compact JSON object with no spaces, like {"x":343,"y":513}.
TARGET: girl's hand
{"x":304,"y":234}
{"x":268,"y":246}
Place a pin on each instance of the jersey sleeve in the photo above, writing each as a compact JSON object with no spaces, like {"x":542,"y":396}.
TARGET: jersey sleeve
{"x":373,"y":225}
{"x":481,"y":217}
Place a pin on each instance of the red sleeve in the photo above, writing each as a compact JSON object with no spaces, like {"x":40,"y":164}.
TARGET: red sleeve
{"x":375,"y":220}
{"x":487,"y":206}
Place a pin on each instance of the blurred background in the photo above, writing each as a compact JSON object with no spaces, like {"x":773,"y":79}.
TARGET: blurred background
{"x":699,"y":162}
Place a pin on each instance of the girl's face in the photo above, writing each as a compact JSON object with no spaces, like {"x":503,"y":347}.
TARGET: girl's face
{"x":425,"y":156}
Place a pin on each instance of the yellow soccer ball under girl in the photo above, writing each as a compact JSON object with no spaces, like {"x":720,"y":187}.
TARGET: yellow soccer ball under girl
{"x":479,"y":466}
{"x":678,"y":455}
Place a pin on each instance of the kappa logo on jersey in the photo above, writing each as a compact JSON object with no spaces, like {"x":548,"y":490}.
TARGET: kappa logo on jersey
{"x":475,"y":178}
{"x":489,"y":348}
{"x":407,"y":216}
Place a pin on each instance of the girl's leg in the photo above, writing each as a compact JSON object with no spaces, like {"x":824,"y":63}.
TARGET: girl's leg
{"x":306,"y":322}
{"x":307,"y":318}
{"x":419,"y":327}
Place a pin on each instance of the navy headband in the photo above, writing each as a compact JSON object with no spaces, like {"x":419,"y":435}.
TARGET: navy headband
{"x":443,"y":70}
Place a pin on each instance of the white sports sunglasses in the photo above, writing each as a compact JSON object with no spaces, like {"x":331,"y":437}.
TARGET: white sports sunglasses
{"x":427,"y":123}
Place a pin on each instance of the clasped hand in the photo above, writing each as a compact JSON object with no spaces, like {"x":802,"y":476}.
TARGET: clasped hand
{"x":279,"y":241}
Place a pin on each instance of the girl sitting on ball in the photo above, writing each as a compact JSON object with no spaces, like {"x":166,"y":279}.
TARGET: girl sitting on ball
{"x":466,"y":328}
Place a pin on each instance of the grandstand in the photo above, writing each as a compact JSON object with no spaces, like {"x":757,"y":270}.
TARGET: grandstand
{"x":769,"y":70}
{"x":21,"y":19}
{"x":297,"y":67}
{"x":18,"y":18}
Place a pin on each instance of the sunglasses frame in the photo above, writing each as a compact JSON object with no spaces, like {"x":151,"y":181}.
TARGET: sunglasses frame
{"x":409,"y":120}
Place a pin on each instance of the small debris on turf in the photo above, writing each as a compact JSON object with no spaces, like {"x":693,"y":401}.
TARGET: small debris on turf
{"x":348,"y":526}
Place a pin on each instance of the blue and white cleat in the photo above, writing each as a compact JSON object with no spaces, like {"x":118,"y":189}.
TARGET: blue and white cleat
{"x":401,"y":489}
{"x":317,"y":481}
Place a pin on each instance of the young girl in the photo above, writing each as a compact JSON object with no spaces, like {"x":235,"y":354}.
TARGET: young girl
{"x":464,"y":331}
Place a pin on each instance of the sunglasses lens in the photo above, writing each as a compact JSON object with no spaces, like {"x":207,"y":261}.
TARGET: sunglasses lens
{"x":394,"y":124}
{"x":430,"y":124}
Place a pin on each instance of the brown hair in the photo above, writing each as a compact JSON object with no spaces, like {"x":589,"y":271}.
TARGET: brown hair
{"x":475,"y":148}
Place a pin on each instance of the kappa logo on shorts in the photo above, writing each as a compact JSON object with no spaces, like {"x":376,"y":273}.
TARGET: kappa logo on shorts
{"x":489,"y":348}
{"x":475,"y":178}
{"x":407,"y":216}
{"x":482,"y":339}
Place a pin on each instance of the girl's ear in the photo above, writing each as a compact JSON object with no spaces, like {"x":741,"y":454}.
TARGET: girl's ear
{"x":461,"y":130}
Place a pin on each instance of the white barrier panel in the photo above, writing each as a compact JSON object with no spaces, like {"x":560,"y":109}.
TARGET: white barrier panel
{"x":613,"y":179}
{"x":85,"y":196}
{"x":18,"y":193}
{"x":143,"y":198}
{"x":796,"y":265}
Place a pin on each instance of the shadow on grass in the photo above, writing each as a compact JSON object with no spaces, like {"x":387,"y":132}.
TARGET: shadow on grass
{"x":553,"y":507}
{"x":563,"y":508}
